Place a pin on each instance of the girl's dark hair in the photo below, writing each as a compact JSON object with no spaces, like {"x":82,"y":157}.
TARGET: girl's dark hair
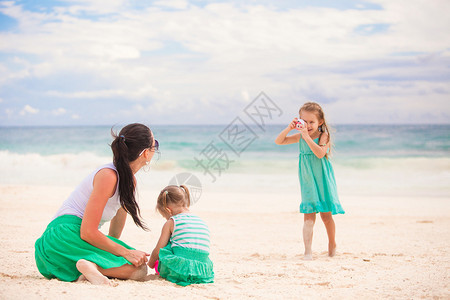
{"x":126,"y":146}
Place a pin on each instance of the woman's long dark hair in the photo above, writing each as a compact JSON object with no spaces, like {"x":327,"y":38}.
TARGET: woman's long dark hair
{"x":126,"y":146}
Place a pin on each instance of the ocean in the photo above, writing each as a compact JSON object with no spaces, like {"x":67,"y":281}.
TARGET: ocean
{"x":408,"y":160}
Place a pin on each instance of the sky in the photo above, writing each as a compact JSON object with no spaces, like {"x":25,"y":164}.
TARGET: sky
{"x":105,"y":62}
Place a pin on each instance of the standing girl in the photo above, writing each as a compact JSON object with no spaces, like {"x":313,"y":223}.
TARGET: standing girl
{"x":182,"y":252}
{"x":72,"y":247}
{"x":316,"y":175}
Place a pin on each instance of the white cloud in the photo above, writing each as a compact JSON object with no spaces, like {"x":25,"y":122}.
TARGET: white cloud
{"x":177,"y":4}
{"x":59,"y":111}
{"x":106,"y":94}
{"x":94,"y":6}
{"x":115,"y":52}
{"x":75,"y":117}
{"x":310,"y":32}
{"x":27,"y":109}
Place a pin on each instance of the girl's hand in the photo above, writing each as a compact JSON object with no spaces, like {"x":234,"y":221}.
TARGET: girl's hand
{"x":151,"y":264}
{"x":293,"y":124}
{"x":304,"y":130}
{"x":136,"y":257}
{"x":283,"y":139}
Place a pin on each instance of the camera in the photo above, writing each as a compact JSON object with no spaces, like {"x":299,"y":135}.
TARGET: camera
{"x":300,"y":124}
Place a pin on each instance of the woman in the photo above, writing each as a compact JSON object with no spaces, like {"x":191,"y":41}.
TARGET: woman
{"x":72,"y":247}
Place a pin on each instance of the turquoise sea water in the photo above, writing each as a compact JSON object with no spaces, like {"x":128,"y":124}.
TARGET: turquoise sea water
{"x":349,"y":140}
{"x":362,"y":153}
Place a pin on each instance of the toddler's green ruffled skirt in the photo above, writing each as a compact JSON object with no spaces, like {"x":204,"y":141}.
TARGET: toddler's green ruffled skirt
{"x":185,"y":266}
{"x":60,"y":247}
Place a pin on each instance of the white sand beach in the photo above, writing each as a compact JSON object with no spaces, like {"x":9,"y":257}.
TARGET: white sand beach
{"x":388,"y":247}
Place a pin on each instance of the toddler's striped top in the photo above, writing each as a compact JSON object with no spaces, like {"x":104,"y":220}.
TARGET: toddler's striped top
{"x":190,"y":231}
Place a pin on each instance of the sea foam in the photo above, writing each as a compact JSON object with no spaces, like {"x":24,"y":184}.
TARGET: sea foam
{"x":380,"y":176}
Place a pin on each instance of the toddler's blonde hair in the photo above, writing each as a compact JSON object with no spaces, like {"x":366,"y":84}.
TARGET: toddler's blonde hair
{"x":178,"y":195}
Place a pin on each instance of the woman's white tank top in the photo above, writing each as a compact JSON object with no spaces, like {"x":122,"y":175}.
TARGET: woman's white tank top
{"x":76,"y":203}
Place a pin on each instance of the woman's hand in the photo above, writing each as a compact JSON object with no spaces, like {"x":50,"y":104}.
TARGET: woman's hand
{"x":136,"y":257}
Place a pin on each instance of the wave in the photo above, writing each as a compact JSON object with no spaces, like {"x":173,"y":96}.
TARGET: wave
{"x":414,"y":176}
{"x":33,"y":168}
{"x":411,"y":175}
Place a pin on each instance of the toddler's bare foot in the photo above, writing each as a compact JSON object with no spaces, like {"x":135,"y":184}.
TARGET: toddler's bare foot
{"x":331,"y":250}
{"x":91,"y":272}
{"x":81,"y":278}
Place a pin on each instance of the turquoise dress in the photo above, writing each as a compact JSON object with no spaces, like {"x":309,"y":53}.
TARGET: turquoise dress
{"x":185,"y":259}
{"x":317,"y":183}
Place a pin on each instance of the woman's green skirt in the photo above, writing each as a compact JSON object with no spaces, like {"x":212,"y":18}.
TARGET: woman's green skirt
{"x":60,"y":247}
{"x":185,"y":266}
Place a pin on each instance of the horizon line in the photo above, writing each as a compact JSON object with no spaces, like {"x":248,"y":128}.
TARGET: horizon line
{"x":209,"y":124}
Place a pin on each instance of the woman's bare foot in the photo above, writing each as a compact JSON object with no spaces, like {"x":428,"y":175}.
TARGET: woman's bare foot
{"x":81,"y":278}
{"x":140,"y":273}
{"x":91,"y":273}
{"x":331,"y":250}
{"x":151,"y":277}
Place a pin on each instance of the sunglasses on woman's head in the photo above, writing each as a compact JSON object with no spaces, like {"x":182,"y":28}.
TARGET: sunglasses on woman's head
{"x":156,"y":145}
{"x":156,"y":148}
